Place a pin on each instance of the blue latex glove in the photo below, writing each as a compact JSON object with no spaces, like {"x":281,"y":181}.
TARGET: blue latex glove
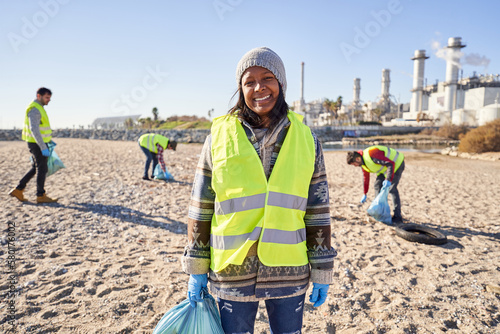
{"x":363,"y":199}
{"x":386,"y":183}
{"x":319,"y":294}
{"x":195,"y":285}
{"x":46,"y":152}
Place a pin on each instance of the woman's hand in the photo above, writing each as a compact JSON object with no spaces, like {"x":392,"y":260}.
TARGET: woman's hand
{"x":319,"y":294}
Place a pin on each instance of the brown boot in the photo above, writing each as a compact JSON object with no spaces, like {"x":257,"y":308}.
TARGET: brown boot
{"x":45,"y":199}
{"x":17,"y":194}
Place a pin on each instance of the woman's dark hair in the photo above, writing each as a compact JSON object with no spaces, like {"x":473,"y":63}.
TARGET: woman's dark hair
{"x":275,"y":115}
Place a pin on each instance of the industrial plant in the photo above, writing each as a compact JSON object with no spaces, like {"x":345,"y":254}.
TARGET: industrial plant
{"x":472,"y":101}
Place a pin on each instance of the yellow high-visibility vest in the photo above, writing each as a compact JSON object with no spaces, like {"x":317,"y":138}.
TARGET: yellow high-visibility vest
{"x":372,"y":167}
{"x":248,"y":207}
{"x":45,"y":129}
{"x":149,"y":141}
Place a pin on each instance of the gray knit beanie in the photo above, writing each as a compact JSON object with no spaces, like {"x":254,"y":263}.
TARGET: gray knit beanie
{"x":263,"y":57}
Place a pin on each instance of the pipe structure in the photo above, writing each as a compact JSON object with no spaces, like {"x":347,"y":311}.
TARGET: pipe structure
{"x":355,"y":93}
{"x":302,"y":83}
{"x":418,"y":80}
{"x":386,"y":82}
{"x":452,"y":66}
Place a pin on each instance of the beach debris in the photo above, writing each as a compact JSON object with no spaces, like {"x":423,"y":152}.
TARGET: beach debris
{"x":493,"y":288}
{"x":421,"y":234}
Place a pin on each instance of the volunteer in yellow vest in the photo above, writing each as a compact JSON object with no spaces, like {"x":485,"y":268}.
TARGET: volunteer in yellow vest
{"x":259,"y":218}
{"x":37,"y":133}
{"x":153,"y":145}
{"x":381,"y":159}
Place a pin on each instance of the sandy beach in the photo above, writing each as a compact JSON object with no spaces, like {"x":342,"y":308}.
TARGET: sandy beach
{"x":106,"y":258}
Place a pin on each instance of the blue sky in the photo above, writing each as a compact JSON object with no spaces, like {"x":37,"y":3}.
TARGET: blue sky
{"x":116,"y":58}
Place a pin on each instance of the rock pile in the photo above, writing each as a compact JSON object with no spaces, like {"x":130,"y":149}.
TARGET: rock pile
{"x":183,"y":136}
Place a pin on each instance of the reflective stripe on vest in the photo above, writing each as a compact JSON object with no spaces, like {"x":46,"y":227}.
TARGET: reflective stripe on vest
{"x":248,"y":207}
{"x":44,"y":127}
{"x":269,"y":235}
{"x":389,"y":153}
{"x":258,"y":201}
{"x":149,"y":141}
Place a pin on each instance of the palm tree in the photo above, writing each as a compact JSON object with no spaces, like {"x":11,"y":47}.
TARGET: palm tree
{"x":330,"y":106}
{"x":338,"y":103}
{"x":129,"y":123}
{"x":377,"y":112}
{"x":155,"y":114}
{"x":358,"y":113}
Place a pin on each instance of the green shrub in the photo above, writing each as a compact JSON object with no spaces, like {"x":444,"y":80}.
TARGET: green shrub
{"x":451,"y":131}
{"x":485,"y":138}
{"x":427,"y":132}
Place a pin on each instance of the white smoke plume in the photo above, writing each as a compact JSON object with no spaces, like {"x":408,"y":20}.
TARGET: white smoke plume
{"x":474,"y":59}
{"x":448,"y":54}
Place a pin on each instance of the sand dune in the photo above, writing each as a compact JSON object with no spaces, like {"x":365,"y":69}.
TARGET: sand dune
{"x":106,"y":258}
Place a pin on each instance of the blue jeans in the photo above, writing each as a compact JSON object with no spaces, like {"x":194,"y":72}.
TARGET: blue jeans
{"x":285,"y":315}
{"x":393,"y":190}
{"x":150,"y":157}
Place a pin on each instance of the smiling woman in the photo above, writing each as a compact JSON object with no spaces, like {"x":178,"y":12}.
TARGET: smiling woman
{"x":259,"y":207}
{"x":260,"y":90}
{"x":261,"y":80}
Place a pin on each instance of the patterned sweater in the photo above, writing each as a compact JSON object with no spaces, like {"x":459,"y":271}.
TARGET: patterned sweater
{"x":161,"y":160}
{"x":252,"y":280}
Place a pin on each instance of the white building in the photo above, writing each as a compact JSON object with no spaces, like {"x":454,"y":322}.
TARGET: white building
{"x":116,"y":122}
{"x":470,"y":101}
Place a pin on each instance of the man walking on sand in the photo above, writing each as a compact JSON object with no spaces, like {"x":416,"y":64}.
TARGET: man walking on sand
{"x":380,"y":159}
{"x":37,"y":133}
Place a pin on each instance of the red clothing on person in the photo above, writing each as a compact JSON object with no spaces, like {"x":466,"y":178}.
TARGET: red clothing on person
{"x":161,"y":161}
{"x":378,"y":157}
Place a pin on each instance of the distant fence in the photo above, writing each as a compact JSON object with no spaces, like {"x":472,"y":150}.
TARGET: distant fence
{"x":324,"y":133}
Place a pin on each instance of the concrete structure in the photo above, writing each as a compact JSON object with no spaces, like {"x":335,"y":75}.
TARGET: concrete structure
{"x":385,"y":102}
{"x":459,"y":100}
{"x":117,"y":122}
{"x":452,"y":65}
{"x":418,"y":81}
{"x":302,"y":83}
{"x":314,"y":112}
{"x":469,"y":100}
{"x":356,"y":93}
{"x":488,"y":113}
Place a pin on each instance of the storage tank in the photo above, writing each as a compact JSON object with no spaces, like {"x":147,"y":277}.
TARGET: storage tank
{"x":488,"y":113}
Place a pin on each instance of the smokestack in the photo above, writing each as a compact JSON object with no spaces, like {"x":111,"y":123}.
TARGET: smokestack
{"x":418,"y":79}
{"x":386,"y":82}
{"x":452,"y":65}
{"x":355,"y":92}
{"x":302,"y":84}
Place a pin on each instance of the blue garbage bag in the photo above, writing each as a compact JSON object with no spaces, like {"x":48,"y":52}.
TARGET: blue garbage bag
{"x":379,"y":208}
{"x":184,"y":319}
{"x":54,"y":163}
{"x":160,"y":175}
